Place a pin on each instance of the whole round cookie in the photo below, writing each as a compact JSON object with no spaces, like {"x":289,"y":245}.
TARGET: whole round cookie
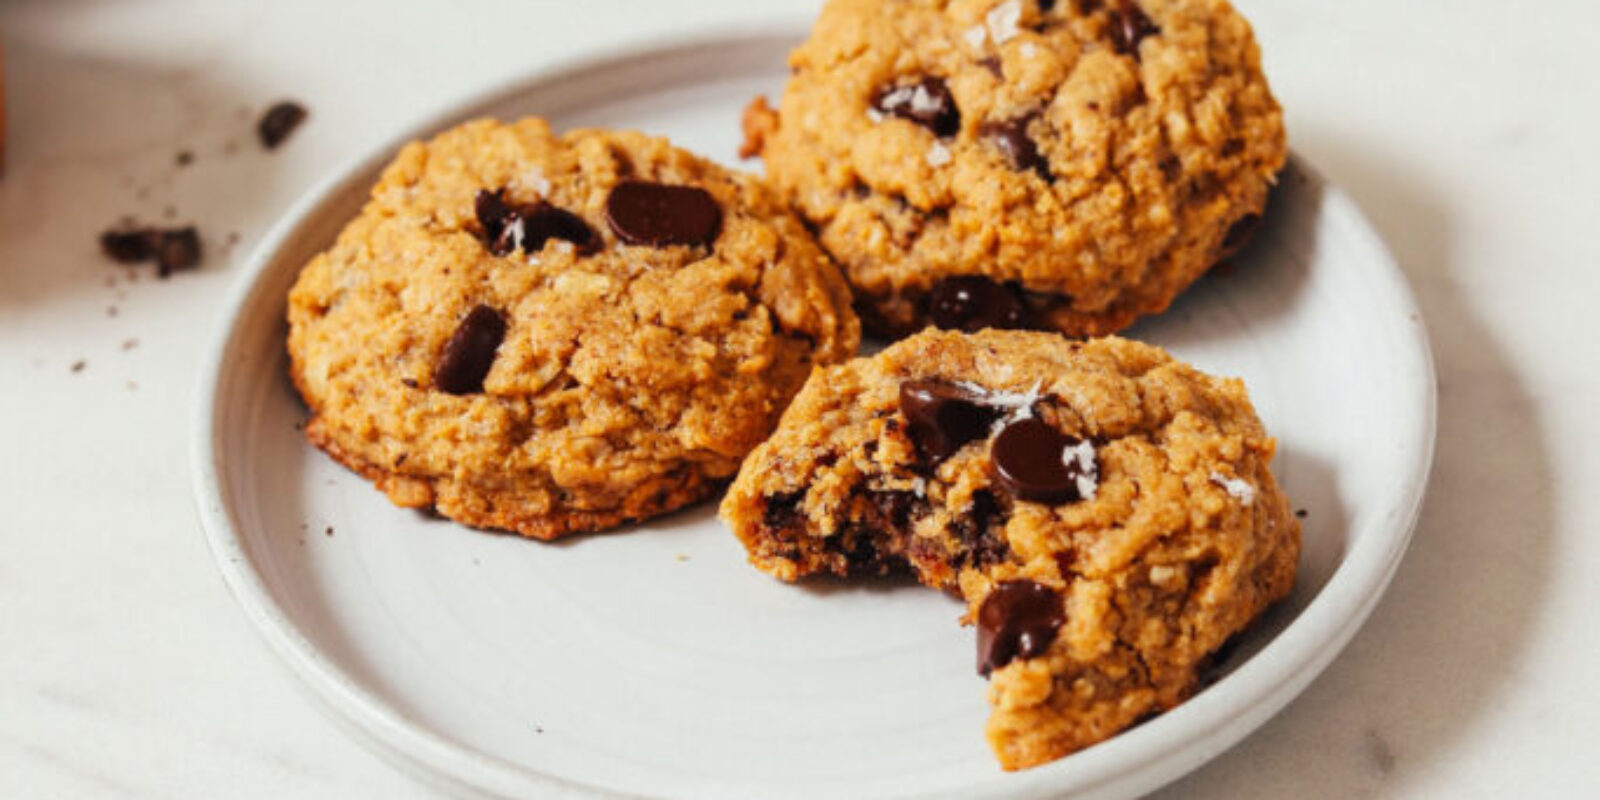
{"x":1067,"y":164}
{"x":1107,"y":513}
{"x":550,"y":334}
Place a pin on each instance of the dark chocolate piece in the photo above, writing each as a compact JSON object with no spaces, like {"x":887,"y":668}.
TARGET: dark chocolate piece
{"x":972,"y":302}
{"x":659,"y":214}
{"x":942,"y":417}
{"x":470,"y":352}
{"x":1019,"y":619}
{"x":1012,"y":140}
{"x":927,"y":102}
{"x":1129,"y":27}
{"x":509,"y":227}
{"x":1031,"y":460}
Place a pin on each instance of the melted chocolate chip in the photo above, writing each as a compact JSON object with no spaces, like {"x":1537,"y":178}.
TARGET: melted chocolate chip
{"x":972,"y":302}
{"x":1031,"y":460}
{"x":980,"y":531}
{"x":782,"y":510}
{"x":1045,"y":6}
{"x":1012,"y":140}
{"x":509,"y":227}
{"x":994,"y":66}
{"x":546,"y":222}
{"x":659,"y":214}
{"x":927,"y":102}
{"x":467,"y":357}
{"x":493,"y":213}
{"x":942,"y":417}
{"x":1018,"y":619}
{"x":892,"y":510}
{"x":278,"y":122}
{"x":1129,"y":27}
{"x":865,"y":554}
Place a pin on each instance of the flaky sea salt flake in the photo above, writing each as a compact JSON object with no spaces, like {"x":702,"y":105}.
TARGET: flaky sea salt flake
{"x":1002,"y":21}
{"x":1238,"y":487}
{"x":1081,"y":456}
{"x":976,"y":36}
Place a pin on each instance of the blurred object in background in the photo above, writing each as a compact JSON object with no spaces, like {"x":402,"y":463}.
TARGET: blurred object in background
{"x":2,"y":112}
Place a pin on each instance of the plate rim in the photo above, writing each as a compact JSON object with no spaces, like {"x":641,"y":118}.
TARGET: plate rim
{"x":1276,"y":674}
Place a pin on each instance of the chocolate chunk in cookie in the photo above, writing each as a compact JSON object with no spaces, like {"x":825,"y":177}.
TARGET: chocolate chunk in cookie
{"x":509,"y":227}
{"x":659,"y":214}
{"x":469,"y":354}
{"x":927,"y":102}
{"x":1033,"y":461}
{"x":1018,"y":619}
{"x":1012,"y":140}
{"x":942,"y":416}
{"x":1130,"y":26}
{"x":972,"y":302}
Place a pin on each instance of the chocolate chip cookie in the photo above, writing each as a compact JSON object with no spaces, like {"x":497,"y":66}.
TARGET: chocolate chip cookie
{"x":1107,"y":513}
{"x":549,"y":334}
{"x":1068,"y":165}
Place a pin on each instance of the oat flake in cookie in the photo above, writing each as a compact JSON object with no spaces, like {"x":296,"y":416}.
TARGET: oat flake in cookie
{"x":1087,"y":160}
{"x":1107,"y":513}
{"x":549,"y":334}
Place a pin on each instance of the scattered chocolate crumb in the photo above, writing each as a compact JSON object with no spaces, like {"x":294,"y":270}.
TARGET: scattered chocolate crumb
{"x":126,"y":246}
{"x":1300,"y":513}
{"x":129,"y":344}
{"x":172,"y":249}
{"x":169,"y":212}
{"x":133,"y":386}
{"x":184,"y":158}
{"x":538,"y":729}
{"x":299,"y":426}
{"x":230,"y":147}
{"x":111,"y":311}
{"x":279,"y":122}
{"x":328,"y":531}
{"x":77,"y":366}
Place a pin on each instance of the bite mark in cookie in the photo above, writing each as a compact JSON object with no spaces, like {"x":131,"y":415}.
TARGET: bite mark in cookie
{"x":1107,"y":513}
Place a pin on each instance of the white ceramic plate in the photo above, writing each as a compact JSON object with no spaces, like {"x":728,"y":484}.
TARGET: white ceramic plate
{"x":655,"y":662}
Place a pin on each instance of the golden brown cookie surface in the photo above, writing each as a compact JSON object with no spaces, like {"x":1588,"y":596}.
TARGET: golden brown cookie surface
{"x":550,"y":334}
{"x":1108,"y":514}
{"x":1087,"y":159}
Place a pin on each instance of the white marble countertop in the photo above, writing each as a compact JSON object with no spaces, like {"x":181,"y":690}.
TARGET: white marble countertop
{"x":1465,"y":129}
